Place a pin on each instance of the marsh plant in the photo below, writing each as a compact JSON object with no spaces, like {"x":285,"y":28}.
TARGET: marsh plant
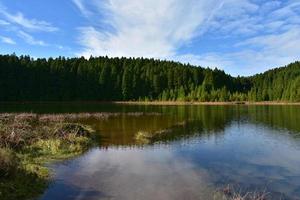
{"x":28,"y":141}
{"x":235,"y":193}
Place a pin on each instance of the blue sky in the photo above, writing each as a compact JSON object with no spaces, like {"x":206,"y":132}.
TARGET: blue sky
{"x":242,"y":37}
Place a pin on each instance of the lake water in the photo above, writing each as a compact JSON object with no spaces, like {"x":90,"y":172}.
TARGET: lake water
{"x":251,"y":148}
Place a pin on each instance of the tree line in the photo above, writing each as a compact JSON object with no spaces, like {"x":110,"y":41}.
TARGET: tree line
{"x":138,"y":79}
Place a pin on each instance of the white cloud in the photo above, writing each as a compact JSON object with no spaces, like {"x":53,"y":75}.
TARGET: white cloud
{"x":3,"y":22}
{"x":30,"y":24}
{"x":30,"y":39}
{"x":257,"y":54}
{"x":245,"y":18}
{"x":259,"y":34}
{"x":7,"y":40}
{"x":145,"y":28}
{"x":211,"y":60}
{"x":80,"y":5}
{"x":271,"y":35}
{"x":287,"y":42}
{"x":273,"y":50}
{"x":267,"y":36}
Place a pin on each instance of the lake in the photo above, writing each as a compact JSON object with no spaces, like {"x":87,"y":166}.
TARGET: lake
{"x":205,"y":148}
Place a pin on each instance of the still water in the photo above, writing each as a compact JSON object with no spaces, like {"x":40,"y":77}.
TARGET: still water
{"x":252,"y":148}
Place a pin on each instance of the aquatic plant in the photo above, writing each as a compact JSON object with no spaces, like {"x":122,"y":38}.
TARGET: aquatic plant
{"x":145,"y":137}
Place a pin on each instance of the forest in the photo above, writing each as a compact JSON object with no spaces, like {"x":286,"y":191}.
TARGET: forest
{"x":23,"y":78}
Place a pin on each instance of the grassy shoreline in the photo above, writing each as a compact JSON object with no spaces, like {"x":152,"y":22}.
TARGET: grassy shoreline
{"x":204,"y":103}
{"x":161,"y":102}
{"x":28,"y":142}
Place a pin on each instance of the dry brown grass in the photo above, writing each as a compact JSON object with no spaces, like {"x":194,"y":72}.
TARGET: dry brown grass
{"x":78,"y":116}
{"x":230,"y":193}
{"x":18,"y":130}
{"x":21,"y":129}
{"x":28,"y":141}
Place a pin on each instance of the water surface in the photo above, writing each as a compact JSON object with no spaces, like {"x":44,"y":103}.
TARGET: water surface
{"x":253,"y":148}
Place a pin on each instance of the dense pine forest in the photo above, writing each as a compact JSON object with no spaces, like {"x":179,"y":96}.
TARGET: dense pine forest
{"x":115,"y":79}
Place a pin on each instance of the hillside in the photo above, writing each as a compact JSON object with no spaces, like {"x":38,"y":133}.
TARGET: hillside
{"x":116,"y":79}
{"x":280,"y":84}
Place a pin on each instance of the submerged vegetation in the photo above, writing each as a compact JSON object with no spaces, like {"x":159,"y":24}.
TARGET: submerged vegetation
{"x":117,"y":79}
{"x":27,"y":142}
{"x":150,"y":137}
{"x":144,"y":137}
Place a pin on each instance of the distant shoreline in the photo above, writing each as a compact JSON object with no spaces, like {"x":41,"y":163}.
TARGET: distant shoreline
{"x":171,"y":103}
{"x":204,"y":103}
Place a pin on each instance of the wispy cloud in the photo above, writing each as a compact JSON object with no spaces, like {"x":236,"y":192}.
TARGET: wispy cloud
{"x":268,"y":35}
{"x":30,"y":39}
{"x":81,"y":6}
{"x":144,"y":28}
{"x":211,"y":60}
{"x":256,"y":54}
{"x":31,"y":24}
{"x":243,"y":17}
{"x":265,"y":34}
{"x":7,"y":40}
{"x":239,"y":36}
{"x":24,"y":28}
{"x":3,"y":22}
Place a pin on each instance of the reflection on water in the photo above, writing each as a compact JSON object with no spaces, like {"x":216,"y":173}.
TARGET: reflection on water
{"x":131,"y":173}
{"x":205,"y":147}
{"x":178,"y":122}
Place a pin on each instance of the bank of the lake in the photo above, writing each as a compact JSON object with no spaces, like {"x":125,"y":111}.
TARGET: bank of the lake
{"x":28,"y":142}
{"x":174,"y":103}
{"x":162,"y":103}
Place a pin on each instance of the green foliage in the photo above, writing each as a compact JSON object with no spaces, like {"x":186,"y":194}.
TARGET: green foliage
{"x":280,"y":84}
{"x":116,"y":79}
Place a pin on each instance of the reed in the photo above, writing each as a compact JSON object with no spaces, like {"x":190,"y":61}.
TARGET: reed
{"x":231,"y":193}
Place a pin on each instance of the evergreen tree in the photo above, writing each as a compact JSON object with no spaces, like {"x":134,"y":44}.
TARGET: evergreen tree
{"x":102,"y":78}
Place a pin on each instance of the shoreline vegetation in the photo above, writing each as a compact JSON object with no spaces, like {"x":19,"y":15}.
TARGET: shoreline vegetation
{"x":205,"y":103}
{"x":159,"y":102}
{"x":29,"y":141}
